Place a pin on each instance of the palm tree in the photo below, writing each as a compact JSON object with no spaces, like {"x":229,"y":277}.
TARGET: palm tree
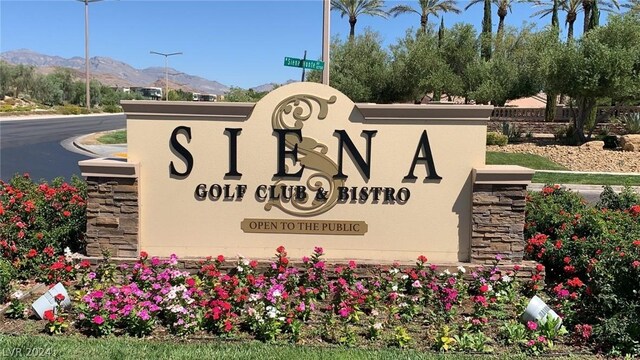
{"x":572,"y":8}
{"x":504,"y":7}
{"x":633,"y":6}
{"x":355,"y":8}
{"x":549,"y":7}
{"x":427,"y":7}
{"x":603,"y":5}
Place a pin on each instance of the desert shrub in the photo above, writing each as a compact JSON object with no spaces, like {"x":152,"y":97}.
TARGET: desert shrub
{"x":566,"y":135}
{"x":39,"y":220}
{"x":71,"y":110}
{"x":611,"y":200}
{"x":511,"y":131}
{"x":494,"y":138}
{"x":630,"y":122}
{"x":111,"y":108}
{"x":592,"y":261}
{"x":6,"y":274}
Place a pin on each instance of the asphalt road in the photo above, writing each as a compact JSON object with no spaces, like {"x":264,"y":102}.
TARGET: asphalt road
{"x":34,"y":146}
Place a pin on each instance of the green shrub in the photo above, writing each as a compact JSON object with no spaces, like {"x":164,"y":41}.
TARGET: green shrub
{"x":611,"y":200}
{"x":72,"y":110}
{"x":39,"y":220}
{"x":6,"y":274}
{"x":111,"y":108}
{"x":566,"y":135}
{"x":494,"y":138}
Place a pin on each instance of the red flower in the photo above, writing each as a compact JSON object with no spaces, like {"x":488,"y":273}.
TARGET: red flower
{"x":143,"y":255}
{"x":66,"y":213}
{"x":85,"y":264}
{"x":49,"y":316}
{"x":280,"y":249}
{"x":59,"y":298}
{"x":220,"y":258}
{"x":32,"y":253}
{"x":422,"y":259}
{"x":253,"y":264}
{"x":635,"y":264}
{"x":484,"y":288}
{"x":539,"y":268}
{"x":575,"y":282}
{"x":190,"y":282}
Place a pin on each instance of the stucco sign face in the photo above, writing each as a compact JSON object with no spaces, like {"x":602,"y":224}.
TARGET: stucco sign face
{"x":306,"y":167}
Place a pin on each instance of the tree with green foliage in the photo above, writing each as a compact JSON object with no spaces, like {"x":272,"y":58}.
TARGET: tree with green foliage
{"x":512,"y":71}
{"x":354,"y":8}
{"x":460,"y":51}
{"x":486,"y":35}
{"x":427,"y":7}
{"x":605,"y":63}
{"x":362,"y":78}
{"x":550,"y":8}
{"x":236,"y":94}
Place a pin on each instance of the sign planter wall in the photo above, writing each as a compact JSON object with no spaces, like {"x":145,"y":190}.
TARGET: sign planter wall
{"x":305,"y":167}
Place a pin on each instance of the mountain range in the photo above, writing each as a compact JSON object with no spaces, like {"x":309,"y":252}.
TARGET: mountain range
{"x":113,"y":72}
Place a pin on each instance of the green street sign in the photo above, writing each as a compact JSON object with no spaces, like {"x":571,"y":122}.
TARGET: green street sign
{"x":307,"y":64}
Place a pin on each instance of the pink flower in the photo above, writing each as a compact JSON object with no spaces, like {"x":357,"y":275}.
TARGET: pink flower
{"x":318,"y":250}
{"x":98,"y":320}
{"x":531,"y":325}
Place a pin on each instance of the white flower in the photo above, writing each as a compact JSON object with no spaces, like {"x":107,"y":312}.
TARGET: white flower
{"x":377,"y":326}
{"x":171,"y":295}
{"x":462,"y":269}
{"x":405,"y":277}
{"x":393,"y":271}
{"x":276,"y":293}
{"x":447,"y":272}
{"x":254,"y":297}
{"x":17,"y":295}
{"x":245,"y":262}
{"x":240,"y":269}
{"x":374,"y":312}
{"x":394,"y":288}
{"x":506,"y":278}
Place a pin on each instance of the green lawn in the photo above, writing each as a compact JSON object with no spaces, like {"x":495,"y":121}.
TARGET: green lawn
{"x":115,"y":137}
{"x":537,"y":162}
{"x":76,"y":347}
{"x":531,"y":161}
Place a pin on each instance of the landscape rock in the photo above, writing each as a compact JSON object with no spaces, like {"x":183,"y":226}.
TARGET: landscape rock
{"x":630,"y":142}
{"x":576,"y":158}
{"x":593,"y":145}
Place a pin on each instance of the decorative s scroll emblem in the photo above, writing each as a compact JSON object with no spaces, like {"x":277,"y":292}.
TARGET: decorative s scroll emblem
{"x":297,"y":109}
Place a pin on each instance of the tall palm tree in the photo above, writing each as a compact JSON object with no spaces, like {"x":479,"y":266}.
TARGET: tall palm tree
{"x":603,"y":5}
{"x":427,"y":7}
{"x":355,"y":8}
{"x":548,"y":7}
{"x":572,"y":8}
{"x":633,"y":6}
{"x":504,"y":7}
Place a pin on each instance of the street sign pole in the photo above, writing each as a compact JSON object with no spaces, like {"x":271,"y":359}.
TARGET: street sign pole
{"x":304,"y":58}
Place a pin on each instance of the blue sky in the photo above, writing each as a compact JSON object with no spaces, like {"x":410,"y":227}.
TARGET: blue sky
{"x":239,"y":43}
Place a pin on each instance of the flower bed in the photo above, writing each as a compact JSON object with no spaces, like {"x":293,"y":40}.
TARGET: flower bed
{"x":591,"y":257}
{"x":417,"y":307}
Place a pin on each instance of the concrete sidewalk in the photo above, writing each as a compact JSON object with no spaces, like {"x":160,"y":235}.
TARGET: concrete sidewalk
{"x":83,"y":146}
{"x":54,"y":116}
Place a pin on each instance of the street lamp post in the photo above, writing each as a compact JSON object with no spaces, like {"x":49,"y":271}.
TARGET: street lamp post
{"x":326,"y":17}
{"x":86,"y":51}
{"x":166,"y":69}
